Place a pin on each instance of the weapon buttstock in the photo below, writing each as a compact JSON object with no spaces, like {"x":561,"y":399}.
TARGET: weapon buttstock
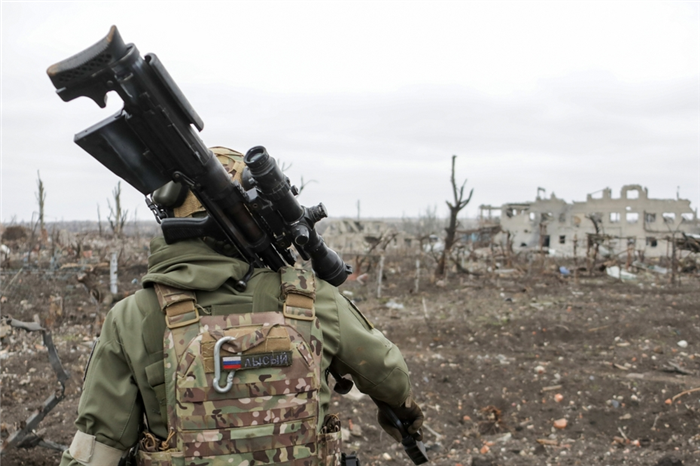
{"x":67,"y":74}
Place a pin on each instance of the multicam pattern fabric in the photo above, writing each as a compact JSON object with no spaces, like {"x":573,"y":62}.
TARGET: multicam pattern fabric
{"x":299,"y":291}
{"x":156,"y":458}
{"x":233,"y":164}
{"x":329,"y":448}
{"x":284,"y":457}
{"x":179,"y":305}
{"x":270,"y":414}
{"x":297,"y":281}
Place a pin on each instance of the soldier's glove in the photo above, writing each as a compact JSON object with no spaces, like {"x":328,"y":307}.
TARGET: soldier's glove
{"x":409,"y":413}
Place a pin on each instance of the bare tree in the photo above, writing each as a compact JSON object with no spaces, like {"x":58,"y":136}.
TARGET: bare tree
{"x":117,"y":217}
{"x":451,"y":231}
{"x":99,"y":220}
{"x":284,"y":167}
{"x":428,"y":224}
{"x":377,"y":243}
{"x":40,"y":198}
{"x":304,"y":184}
{"x":424,"y":226}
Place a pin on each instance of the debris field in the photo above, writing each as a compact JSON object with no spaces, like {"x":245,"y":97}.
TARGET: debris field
{"x":530,"y":368}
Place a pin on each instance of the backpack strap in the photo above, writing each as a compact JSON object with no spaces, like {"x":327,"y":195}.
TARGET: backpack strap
{"x":179,"y":306}
{"x":298,"y":290}
{"x":180,"y":309}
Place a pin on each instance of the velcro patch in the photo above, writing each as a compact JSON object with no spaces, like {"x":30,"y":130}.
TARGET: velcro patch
{"x":257,"y":361}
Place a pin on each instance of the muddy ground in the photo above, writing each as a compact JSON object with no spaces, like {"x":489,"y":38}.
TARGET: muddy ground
{"x":495,"y":363}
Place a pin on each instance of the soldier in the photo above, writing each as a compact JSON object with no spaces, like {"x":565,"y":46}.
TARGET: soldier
{"x":191,"y":371}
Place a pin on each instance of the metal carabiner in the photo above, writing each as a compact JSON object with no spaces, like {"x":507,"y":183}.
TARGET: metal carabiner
{"x":217,"y":367}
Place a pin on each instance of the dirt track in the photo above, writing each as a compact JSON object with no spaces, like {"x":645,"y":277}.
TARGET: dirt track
{"x":494,"y":364}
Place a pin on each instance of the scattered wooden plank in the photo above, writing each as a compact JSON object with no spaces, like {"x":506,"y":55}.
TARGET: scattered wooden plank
{"x":551,"y":388}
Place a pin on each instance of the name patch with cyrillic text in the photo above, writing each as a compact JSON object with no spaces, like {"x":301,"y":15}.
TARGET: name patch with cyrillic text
{"x":256,"y":361}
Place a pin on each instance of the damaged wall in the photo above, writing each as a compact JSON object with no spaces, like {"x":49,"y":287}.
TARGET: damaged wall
{"x":632,"y":220}
{"x":348,"y":236}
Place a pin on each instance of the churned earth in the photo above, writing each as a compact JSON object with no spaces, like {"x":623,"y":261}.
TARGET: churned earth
{"x":525,"y":371}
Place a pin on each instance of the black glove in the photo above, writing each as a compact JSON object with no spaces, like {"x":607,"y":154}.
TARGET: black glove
{"x":409,"y":413}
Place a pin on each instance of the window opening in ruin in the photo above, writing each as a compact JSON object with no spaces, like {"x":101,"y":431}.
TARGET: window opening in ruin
{"x":562,"y":239}
{"x":649,"y":218}
{"x":614,"y":217}
{"x":545,"y":241}
{"x":669,"y":217}
{"x":687,"y":217}
{"x":651,"y":241}
{"x":631,"y":217}
{"x":523,"y":245}
{"x":562,"y":218}
{"x":633,"y":194}
{"x":533,"y":216}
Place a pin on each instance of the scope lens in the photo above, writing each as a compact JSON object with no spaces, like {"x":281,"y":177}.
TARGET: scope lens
{"x":255,"y":156}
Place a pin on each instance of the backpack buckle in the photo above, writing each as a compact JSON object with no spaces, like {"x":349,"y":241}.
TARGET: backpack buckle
{"x":182,"y":323}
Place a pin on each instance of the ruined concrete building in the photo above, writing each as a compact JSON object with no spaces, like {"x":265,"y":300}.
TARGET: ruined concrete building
{"x":632,"y":220}
{"x":347,"y":236}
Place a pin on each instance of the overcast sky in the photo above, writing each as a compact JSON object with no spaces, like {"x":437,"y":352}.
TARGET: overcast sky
{"x":371,"y":99}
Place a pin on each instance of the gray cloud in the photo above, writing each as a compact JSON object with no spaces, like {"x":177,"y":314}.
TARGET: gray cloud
{"x":572,"y":132}
{"x":573,"y":135}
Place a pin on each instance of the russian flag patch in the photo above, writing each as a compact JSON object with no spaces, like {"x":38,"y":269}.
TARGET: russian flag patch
{"x":231,"y":363}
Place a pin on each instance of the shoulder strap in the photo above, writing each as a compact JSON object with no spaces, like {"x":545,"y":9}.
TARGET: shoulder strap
{"x":299,"y":293}
{"x":180,"y":309}
{"x":179,"y":306}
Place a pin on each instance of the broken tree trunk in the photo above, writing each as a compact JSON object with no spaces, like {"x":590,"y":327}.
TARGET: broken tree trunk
{"x":379,"y":276}
{"x":417,"y":282}
{"x":451,"y":231}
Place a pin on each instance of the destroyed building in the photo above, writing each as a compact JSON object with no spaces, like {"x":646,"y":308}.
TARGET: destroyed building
{"x":347,"y":236}
{"x":631,"y":221}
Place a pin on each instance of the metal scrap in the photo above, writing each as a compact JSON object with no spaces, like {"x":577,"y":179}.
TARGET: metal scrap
{"x":8,"y":287}
{"x":688,"y":242}
{"x":26,"y":437}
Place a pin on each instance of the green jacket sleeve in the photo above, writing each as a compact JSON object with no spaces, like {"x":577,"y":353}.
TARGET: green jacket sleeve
{"x":67,"y":460}
{"x":375,"y":363}
{"x":110,"y":407}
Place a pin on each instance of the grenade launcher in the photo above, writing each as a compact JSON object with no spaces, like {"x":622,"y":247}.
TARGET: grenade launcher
{"x":151,"y":143}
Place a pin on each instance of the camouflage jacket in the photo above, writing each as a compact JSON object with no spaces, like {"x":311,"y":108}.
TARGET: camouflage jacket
{"x":125,"y":377}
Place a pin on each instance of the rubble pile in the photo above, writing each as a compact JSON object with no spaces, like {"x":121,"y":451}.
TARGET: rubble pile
{"x":517,"y":359}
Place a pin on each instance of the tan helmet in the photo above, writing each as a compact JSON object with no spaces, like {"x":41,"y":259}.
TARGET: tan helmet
{"x":234,"y":165}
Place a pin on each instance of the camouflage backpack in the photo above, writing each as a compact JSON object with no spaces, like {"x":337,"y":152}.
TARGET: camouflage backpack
{"x":243,"y":389}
